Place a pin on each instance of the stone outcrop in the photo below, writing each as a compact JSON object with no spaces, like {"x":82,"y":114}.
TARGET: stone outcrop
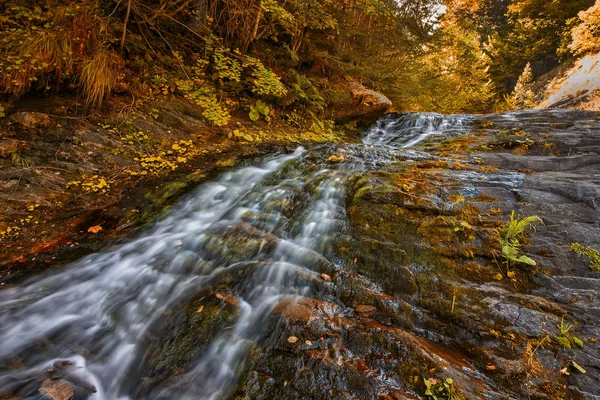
{"x":365,"y":105}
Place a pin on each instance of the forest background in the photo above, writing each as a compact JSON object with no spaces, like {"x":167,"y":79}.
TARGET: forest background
{"x":291,"y":59}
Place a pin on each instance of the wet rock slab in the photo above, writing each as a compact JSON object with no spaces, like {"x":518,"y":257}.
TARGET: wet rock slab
{"x":366,"y":277}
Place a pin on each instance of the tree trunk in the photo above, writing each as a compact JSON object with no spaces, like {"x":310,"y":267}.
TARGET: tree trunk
{"x":125,"y":26}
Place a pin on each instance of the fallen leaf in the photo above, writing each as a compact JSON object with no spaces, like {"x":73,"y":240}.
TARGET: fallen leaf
{"x":498,"y":277}
{"x":365,"y":309}
{"x":308,"y":342}
{"x":355,"y":260}
{"x":57,"y":390}
{"x":335,"y":159}
{"x":339,"y":361}
{"x":200,"y":309}
{"x":511,"y":274}
{"x":234,"y":301}
{"x":578,"y":367}
{"x":325,"y":277}
{"x":94,"y":229}
{"x":292,"y":339}
{"x":490,"y":367}
{"x":564,"y":371}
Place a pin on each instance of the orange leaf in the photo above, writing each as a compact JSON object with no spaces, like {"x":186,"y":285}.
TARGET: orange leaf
{"x":336,"y":159}
{"x":94,"y":229}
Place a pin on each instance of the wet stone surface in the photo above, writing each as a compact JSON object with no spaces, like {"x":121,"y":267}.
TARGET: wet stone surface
{"x":343,"y":272}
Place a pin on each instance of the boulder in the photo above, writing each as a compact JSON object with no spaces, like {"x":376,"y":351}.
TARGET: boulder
{"x":31,"y":119}
{"x":8,"y":146}
{"x":365,"y":106}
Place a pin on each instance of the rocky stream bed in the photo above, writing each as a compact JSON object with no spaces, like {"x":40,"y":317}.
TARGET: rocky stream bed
{"x":346,"y":271}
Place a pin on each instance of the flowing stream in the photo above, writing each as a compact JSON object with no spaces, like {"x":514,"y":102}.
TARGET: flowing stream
{"x":91,"y":320}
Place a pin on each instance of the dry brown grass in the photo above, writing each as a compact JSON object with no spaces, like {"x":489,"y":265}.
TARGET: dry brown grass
{"x":51,"y":49}
{"x":99,"y":76}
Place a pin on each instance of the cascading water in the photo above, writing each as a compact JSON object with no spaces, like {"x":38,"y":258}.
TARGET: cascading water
{"x":93,"y":320}
{"x":407,"y":130}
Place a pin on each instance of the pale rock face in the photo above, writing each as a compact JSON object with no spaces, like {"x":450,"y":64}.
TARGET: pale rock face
{"x":578,"y":88}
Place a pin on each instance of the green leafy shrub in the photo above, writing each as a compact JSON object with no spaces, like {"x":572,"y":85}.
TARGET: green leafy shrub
{"x":206,"y":97}
{"x":265,"y":82}
{"x":227,"y":68}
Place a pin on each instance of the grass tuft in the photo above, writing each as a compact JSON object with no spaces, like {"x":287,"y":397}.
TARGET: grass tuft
{"x":99,"y":76}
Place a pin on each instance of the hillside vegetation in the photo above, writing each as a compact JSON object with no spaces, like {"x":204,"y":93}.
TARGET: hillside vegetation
{"x":295,"y":56}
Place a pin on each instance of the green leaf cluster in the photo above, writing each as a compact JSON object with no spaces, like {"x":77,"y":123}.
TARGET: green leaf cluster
{"x":258,"y":109}
{"x":589,"y":252}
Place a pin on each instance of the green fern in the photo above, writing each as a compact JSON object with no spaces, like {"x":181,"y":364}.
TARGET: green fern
{"x":510,"y":235}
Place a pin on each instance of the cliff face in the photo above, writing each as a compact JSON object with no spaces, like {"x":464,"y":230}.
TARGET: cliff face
{"x":577,"y":87}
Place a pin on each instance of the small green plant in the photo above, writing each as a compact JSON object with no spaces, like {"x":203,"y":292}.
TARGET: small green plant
{"x":436,"y":389}
{"x":564,"y":338}
{"x":258,"y":109}
{"x":510,"y":237}
{"x":19,"y":160}
{"x":591,"y":253}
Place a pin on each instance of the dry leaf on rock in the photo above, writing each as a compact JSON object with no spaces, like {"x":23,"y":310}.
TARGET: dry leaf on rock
{"x":94,"y":229}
